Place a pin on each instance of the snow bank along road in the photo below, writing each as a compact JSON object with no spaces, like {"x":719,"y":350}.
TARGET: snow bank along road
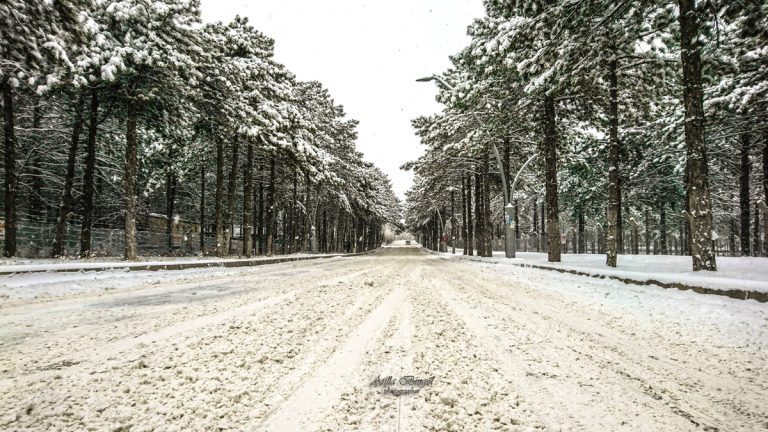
{"x":316,"y":346}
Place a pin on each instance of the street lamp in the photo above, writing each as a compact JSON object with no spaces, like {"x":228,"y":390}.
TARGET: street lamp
{"x":442,"y":228}
{"x":440,"y":221}
{"x":509,"y":222}
{"x":512,"y":195}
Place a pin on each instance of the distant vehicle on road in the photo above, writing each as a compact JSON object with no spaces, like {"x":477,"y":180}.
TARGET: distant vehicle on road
{"x":407,"y":242}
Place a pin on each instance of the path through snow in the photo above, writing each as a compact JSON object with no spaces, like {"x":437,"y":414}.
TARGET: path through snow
{"x":297,"y":346}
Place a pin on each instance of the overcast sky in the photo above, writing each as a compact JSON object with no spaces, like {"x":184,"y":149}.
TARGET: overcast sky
{"x":368,"y":54}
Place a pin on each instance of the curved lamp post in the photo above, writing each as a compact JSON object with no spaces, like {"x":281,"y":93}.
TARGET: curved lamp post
{"x":442,"y":226}
{"x":509,"y":219}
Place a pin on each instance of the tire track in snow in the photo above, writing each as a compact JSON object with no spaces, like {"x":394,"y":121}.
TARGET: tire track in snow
{"x":472,"y":328}
{"x":561,"y":398}
{"x":223,"y":364}
{"x":366,"y":407}
{"x":83,"y":325}
{"x":657,"y":391}
{"x":305,"y":407}
{"x":469,"y":390}
{"x":688,"y":388}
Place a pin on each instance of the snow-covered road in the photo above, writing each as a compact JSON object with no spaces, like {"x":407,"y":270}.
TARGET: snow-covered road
{"x":299,"y":346}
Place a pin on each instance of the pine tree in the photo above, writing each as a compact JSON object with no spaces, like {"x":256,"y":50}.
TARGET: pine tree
{"x":34,"y":36}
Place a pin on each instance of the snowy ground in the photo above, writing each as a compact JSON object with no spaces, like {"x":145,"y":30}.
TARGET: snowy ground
{"x":296,"y":347}
{"x":742,"y":273}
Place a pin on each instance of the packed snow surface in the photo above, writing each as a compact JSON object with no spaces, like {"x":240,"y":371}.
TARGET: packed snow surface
{"x":399,"y":340}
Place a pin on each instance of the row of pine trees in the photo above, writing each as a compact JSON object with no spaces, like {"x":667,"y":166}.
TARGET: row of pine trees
{"x":114,"y":110}
{"x":646,"y":121}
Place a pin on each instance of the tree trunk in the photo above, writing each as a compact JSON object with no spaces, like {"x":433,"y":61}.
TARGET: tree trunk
{"x":170,"y":198}
{"x":220,"y":241}
{"x":488,"y":229}
{"x":506,"y":166}
{"x":744,"y":209}
{"x":435,"y":234}
{"x":231,"y":192}
{"x":479,"y":214}
{"x":88,"y":178}
{"x":614,"y":199}
{"x":683,"y":235}
{"x":202,"y":208}
{"x":685,"y":246}
{"x":620,"y":219}
{"x":765,"y":193}
{"x":342,"y":234}
{"x":452,"y":234}
{"x":131,"y":169}
{"x":543,"y":236}
{"x":248,"y":203}
{"x":334,"y":228}
{"x":550,"y":173}
{"x":9,"y":143}
{"x":292,"y":214}
{"x":636,"y":238}
{"x":343,"y":241}
{"x":464,"y":233}
{"x":342,"y":231}
{"x":582,"y":238}
{"x":471,"y":233}
{"x":756,"y":232}
{"x":271,"y":208}
{"x":663,"y":228}
{"x":307,"y":228}
{"x":284,"y":231}
{"x":441,"y":231}
{"x":535,"y":229}
{"x":255,"y":222}
{"x":647,"y":232}
{"x":350,"y":234}
{"x":702,"y":250}
{"x":65,"y":205}
{"x":432,"y":234}
{"x":506,"y":161}
{"x":517,"y":221}
{"x":262,"y":228}
{"x":337,"y":233}
{"x":324,"y":233}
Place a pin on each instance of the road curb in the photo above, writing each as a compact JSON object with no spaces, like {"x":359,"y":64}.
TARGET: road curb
{"x":183,"y":265}
{"x":762,"y":297}
{"x":738,"y":294}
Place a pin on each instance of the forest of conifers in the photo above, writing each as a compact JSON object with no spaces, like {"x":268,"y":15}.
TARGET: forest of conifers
{"x":646,"y":121}
{"x":132,"y":124}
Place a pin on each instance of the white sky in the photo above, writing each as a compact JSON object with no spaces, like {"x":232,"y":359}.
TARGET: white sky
{"x":368,"y":54}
